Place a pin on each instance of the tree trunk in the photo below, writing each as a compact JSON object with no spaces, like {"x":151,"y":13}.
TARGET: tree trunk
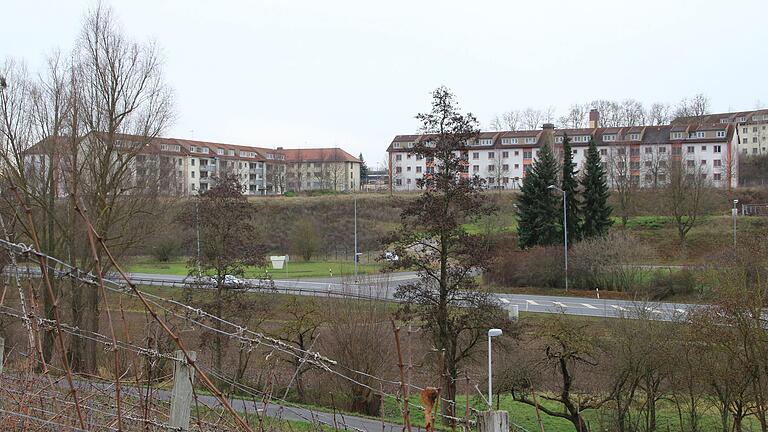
{"x":76,"y":343}
{"x":94,"y":314}
{"x":217,"y":342}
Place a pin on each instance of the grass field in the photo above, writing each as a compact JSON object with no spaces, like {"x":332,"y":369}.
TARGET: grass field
{"x":292,"y":270}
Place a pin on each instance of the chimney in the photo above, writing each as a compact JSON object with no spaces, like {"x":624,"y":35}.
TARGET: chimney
{"x":548,"y":134}
{"x":594,"y":118}
{"x":279,"y":148}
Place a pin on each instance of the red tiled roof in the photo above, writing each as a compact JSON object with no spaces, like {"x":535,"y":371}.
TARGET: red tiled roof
{"x":334,"y":154}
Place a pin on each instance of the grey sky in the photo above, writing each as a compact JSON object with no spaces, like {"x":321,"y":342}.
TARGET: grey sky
{"x":354,"y":73}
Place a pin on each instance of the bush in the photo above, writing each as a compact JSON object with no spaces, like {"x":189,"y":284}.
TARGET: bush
{"x":668,"y":283}
{"x":538,"y":266}
{"x":608,"y":263}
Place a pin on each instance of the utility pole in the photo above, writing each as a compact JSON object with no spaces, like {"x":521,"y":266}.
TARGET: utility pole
{"x":354,"y":195}
{"x":734,"y":212}
{"x":197,"y":223}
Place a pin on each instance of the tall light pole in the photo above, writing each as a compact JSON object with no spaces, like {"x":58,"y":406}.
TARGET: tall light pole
{"x":734,"y":212}
{"x":357,"y":255}
{"x":565,"y":231}
{"x":492,"y":333}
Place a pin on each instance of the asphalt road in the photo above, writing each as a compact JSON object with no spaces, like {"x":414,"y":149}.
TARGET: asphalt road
{"x":383,"y":287}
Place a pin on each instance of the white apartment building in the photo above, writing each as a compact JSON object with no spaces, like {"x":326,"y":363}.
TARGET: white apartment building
{"x":186,"y":167}
{"x":641,"y":153}
{"x":751,"y":128}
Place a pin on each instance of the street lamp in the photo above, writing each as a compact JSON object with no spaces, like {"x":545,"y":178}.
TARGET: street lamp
{"x":565,"y":231}
{"x":492,"y":333}
{"x":734,"y":212}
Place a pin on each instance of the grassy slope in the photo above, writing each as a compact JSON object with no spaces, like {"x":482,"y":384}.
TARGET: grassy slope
{"x":293,"y":270}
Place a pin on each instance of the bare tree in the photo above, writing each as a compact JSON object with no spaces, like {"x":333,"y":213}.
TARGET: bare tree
{"x":659,"y":113}
{"x":576,"y":117}
{"x":532,"y":118}
{"x":686,"y":194}
{"x":697,"y":106}
{"x":624,"y":183}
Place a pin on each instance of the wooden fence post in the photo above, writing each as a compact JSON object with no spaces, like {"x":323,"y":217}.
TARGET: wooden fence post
{"x":181,"y":398}
{"x":2,"y":352}
{"x":493,"y":421}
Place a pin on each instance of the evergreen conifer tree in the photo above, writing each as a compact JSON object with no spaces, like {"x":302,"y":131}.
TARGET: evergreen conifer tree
{"x":595,"y":210}
{"x":570,"y":185}
{"x":537,"y":215}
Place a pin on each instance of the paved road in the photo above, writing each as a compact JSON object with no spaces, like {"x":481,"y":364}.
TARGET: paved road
{"x":384,"y":286}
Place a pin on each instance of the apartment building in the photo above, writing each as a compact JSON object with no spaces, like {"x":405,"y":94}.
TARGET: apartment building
{"x":751,"y":128}
{"x":185,"y":167}
{"x":321,"y":169}
{"x":642,"y":154}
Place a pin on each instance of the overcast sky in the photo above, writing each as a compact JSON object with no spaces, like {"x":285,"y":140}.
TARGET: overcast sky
{"x":354,"y":73}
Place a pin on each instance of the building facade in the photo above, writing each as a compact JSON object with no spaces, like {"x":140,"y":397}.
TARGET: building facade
{"x":642,"y":154}
{"x":185,"y":167}
{"x":321,"y":169}
{"x":751,"y":128}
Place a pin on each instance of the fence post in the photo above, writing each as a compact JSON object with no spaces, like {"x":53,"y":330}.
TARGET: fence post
{"x":2,"y":352}
{"x":492,"y":421}
{"x":181,"y":398}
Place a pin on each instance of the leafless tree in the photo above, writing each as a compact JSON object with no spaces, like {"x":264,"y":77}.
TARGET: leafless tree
{"x":532,"y":118}
{"x":696,"y":106}
{"x":659,"y":113}
{"x":624,"y":183}
{"x":686,"y":194}
{"x":655,"y":167}
{"x":576,"y":117}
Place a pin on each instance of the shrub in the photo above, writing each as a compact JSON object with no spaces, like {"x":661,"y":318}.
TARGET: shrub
{"x":608,"y":263}
{"x":538,"y":266}
{"x":668,"y":283}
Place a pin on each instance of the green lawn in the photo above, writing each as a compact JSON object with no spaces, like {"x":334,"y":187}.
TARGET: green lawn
{"x":292,"y":270}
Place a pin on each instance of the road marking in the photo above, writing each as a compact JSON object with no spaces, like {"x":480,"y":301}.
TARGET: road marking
{"x":680,"y":310}
{"x":532,"y":302}
{"x":559,"y":304}
{"x":503,"y":300}
{"x":656,"y":311}
{"x":589,"y":306}
{"x":619,"y":308}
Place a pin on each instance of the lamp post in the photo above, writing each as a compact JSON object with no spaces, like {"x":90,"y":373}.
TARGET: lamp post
{"x":565,"y":231}
{"x":734,"y":212}
{"x":492,"y":333}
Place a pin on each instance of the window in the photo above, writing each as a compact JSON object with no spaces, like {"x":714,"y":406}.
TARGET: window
{"x":509,"y":140}
{"x":647,"y":164}
{"x":634,"y":165}
{"x":398,"y":157}
{"x":558,"y":139}
{"x":677,"y":151}
{"x":491,"y":168}
{"x":604,"y":152}
{"x":677,"y":135}
{"x":609,"y":137}
{"x":505,"y":154}
{"x":744,"y":130}
{"x":530,"y":140}
{"x":691,"y":149}
{"x":192,"y":174}
{"x":754,"y":139}
{"x":408,"y":156}
{"x":485,"y":141}
{"x":744,"y":140}
{"x":716,"y":176}
{"x":721,"y":134}
{"x":418,"y":169}
{"x":662,"y":149}
{"x":527,"y":154}
{"x":717,"y":163}
{"x":517,"y":166}
{"x":703,"y":148}
{"x":754,"y":129}
{"x":634,"y":152}
{"x":476,"y":155}
{"x":170,"y":147}
{"x":698,"y":134}
{"x":398,"y":170}
{"x":396,"y":145}
{"x":408,"y":169}
{"x":517,"y":153}
{"x":648,"y":178}
{"x":621,"y":151}
{"x":220,"y":152}
{"x":690,"y":163}
{"x":475,"y":168}
{"x":575,"y":151}
{"x":634,"y":137}
{"x":703,"y":162}
{"x":648,"y":150}
{"x":192,"y":162}
{"x":491,"y":155}
{"x":398,"y":182}
{"x":505,"y":167}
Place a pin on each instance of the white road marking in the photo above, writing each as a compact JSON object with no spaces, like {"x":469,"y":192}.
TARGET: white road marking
{"x":532,"y":302}
{"x":619,"y":308}
{"x":559,"y":304}
{"x":680,"y":310}
{"x":589,"y":306}
{"x":503,"y":300}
